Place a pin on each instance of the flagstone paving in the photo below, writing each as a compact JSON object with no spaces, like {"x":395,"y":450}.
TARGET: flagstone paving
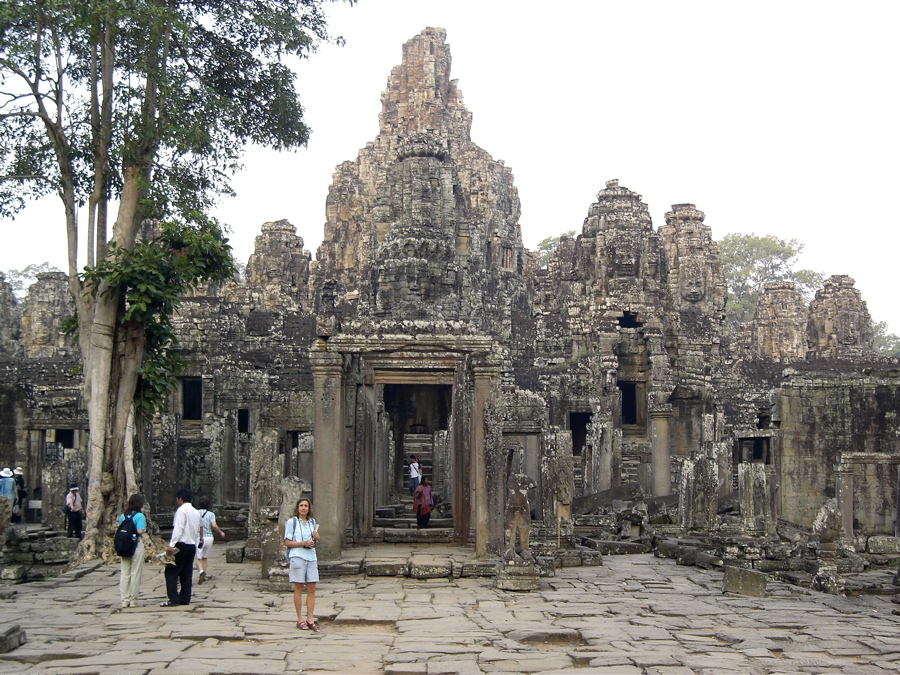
{"x":634,"y":615}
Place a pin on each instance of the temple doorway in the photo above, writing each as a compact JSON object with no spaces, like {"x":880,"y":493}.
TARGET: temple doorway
{"x":416,"y":421}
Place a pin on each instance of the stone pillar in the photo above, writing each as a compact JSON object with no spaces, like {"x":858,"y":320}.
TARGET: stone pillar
{"x":844,"y":489}
{"x":661,"y":462}
{"x":755,"y":493}
{"x":897,"y":515}
{"x":330,"y":451}
{"x":488,"y":470}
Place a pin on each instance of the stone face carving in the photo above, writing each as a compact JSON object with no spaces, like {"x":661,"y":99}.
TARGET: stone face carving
{"x":278,"y":270}
{"x":10,"y":320}
{"x":839,"y":323}
{"x":779,"y":329}
{"x":46,"y":307}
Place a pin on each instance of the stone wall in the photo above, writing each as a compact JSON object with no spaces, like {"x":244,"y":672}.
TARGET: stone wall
{"x":612,"y":365}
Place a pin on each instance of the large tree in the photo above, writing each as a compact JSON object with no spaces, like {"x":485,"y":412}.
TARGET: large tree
{"x":749,"y":262}
{"x":141,"y":108}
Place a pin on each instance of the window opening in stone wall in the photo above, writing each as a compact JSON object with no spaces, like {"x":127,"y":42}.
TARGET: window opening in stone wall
{"x":243,"y":421}
{"x":634,"y":407}
{"x":629,"y":402}
{"x":756,"y":449}
{"x":629,"y":320}
{"x":296,"y":447}
{"x":507,"y":257}
{"x":763,"y":419}
{"x":192,"y":399}
{"x":487,"y":255}
{"x":578,"y":422}
{"x":65,"y":438}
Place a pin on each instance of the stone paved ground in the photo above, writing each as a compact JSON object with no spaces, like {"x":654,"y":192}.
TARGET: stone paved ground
{"x":636,"y":614}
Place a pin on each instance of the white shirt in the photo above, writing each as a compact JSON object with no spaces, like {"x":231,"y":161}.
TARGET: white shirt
{"x":186,"y":526}
{"x":414,"y":470}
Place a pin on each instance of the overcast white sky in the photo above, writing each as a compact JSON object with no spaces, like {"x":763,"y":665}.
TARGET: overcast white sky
{"x":772,"y":117}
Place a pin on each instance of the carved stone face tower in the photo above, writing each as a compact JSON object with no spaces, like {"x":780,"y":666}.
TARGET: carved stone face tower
{"x":423,"y":260}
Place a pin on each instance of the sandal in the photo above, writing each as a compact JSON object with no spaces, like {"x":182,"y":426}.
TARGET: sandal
{"x":302,"y":625}
{"x":312,"y":626}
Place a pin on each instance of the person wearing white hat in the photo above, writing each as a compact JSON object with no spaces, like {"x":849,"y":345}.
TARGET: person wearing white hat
{"x":75,"y":512}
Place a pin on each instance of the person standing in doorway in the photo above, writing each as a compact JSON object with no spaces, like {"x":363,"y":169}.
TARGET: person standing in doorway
{"x":131,"y":569}
{"x":423,"y":503}
{"x":185,"y":535}
{"x":300,"y":536}
{"x":207,"y":525}
{"x":415,"y":473}
{"x":75,"y":512}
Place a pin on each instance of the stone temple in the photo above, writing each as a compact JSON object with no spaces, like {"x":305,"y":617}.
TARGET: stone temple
{"x":425,"y":327}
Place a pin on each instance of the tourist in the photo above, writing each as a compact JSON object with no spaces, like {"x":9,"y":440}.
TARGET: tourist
{"x":183,"y":544}
{"x":415,"y":473}
{"x":423,"y":503}
{"x":207,"y":525}
{"x":300,"y":536}
{"x":7,"y":496}
{"x":132,"y":568}
{"x":21,"y":495}
{"x":74,"y":512}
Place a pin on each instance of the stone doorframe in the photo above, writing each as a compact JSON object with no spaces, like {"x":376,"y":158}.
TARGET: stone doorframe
{"x":464,"y":362}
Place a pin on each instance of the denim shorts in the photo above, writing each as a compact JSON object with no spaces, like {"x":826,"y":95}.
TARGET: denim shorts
{"x":304,"y":571}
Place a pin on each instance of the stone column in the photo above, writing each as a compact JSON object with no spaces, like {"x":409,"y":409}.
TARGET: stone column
{"x":844,"y":489}
{"x":329,"y":452}
{"x":487,"y":466}
{"x":661,"y":461}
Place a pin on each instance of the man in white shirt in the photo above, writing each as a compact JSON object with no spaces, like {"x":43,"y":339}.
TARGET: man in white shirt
{"x":185,"y":535}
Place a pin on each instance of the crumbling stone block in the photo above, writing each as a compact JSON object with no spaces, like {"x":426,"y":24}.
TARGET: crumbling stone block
{"x":14,"y":573}
{"x":883,"y":545}
{"x":12,"y":636}
{"x":744,"y":582}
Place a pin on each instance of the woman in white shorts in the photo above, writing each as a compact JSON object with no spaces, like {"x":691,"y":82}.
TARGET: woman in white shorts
{"x":300,"y":536}
{"x":207,"y":525}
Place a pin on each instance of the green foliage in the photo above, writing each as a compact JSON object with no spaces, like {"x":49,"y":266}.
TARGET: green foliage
{"x":21,"y":280}
{"x":749,"y":262}
{"x":191,"y":82}
{"x":547,"y":247}
{"x":152,"y":277}
{"x":886,"y":344}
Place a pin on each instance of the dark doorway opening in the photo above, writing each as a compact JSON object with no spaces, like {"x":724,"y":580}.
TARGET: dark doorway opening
{"x":65,"y":437}
{"x":416,"y":412}
{"x":578,"y":422}
{"x":192,"y":399}
{"x":634,"y":407}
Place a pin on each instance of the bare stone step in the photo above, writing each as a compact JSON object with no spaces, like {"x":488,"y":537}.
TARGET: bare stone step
{"x":386,"y":568}
{"x":410,"y":536}
{"x":430,"y":567}
{"x":434,"y":523}
{"x":608,"y":547}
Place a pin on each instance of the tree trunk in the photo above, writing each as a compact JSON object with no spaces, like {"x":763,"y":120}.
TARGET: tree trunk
{"x":115,"y":350}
